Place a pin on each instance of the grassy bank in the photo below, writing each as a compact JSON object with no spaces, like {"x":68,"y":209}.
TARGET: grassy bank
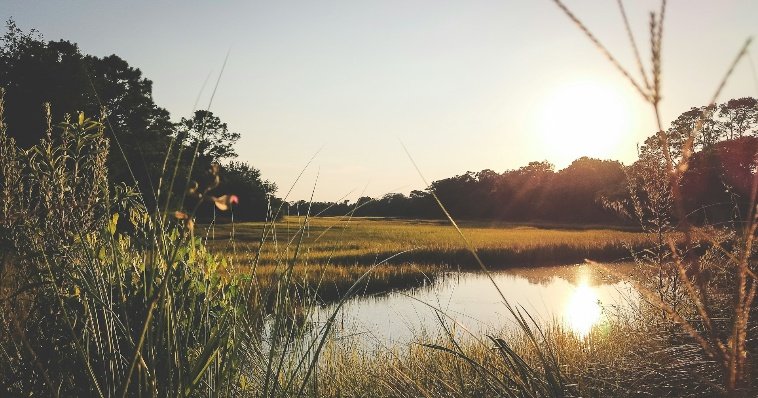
{"x":328,"y":283}
{"x":343,"y":241}
{"x":621,"y":359}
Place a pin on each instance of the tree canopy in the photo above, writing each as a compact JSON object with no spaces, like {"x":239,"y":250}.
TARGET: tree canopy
{"x":144,"y":140}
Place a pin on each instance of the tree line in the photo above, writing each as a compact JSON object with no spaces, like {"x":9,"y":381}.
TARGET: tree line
{"x":716,"y":187}
{"x":149,"y":150}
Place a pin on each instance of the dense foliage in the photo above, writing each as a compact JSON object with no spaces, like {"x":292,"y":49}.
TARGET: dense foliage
{"x":91,"y":309}
{"x":148,"y":148}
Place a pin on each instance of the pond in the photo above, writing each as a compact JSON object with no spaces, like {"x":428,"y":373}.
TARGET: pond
{"x":579,"y":297}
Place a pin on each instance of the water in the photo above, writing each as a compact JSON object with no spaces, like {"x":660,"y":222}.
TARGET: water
{"x":580,"y":297}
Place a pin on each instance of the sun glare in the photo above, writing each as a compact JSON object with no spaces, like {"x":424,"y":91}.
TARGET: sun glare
{"x":584,"y":118}
{"x":583,"y":310}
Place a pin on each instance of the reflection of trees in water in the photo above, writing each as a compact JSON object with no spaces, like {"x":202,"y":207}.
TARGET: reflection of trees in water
{"x":592,"y":275}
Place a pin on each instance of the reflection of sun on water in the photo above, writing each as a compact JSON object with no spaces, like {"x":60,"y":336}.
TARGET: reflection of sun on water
{"x":583,"y":310}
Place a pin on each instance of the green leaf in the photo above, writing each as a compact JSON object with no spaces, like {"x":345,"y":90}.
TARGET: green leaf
{"x":112,"y":224}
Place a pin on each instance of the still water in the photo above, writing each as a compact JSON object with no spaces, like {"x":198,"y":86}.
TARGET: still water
{"x":579,"y":297}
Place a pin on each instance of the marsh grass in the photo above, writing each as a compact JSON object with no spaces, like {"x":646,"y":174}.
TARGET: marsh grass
{"x":720,"y":327}
{"x":103,"y":297}
{"x":343,"y":241}
{"x":329,"y":283}
{"x":633,"y":354}
{"x":624,"y":358}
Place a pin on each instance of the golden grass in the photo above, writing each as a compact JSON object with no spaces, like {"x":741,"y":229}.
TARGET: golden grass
{"x":619,"y":359}
{"x":329,"y":283}
{"x":366,"y":241}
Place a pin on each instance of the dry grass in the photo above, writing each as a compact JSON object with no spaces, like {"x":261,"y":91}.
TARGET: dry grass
{"x":328,"y":283}
{"x":365,"y":241}
{"x":620,"y":359}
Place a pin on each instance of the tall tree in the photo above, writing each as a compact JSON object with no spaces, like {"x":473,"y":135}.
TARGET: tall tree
{"x":211,"y":137}
{"x":739,"y":117}
{"x":34,"y":72}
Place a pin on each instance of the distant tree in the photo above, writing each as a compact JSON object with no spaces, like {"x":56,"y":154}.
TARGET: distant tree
{"x":708,"y":125}
{"x":576,"y":192}
{"x":210,"y":135}
{"x":684,"y":127}
{"x":538,"y":170}
{"x":717,"y":185}
{"x":455,"y":193}
{"x":522,"y":193}
{"x":739,"y":117}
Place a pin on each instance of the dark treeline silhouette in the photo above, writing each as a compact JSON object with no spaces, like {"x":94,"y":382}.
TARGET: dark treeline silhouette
{"x":145,"y":144}
{"x":716,"y":186}
{"x":147,"y":147}
{"x":533,"y":193}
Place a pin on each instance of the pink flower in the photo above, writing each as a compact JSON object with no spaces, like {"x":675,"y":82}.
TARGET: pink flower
{"x":224,"y":202}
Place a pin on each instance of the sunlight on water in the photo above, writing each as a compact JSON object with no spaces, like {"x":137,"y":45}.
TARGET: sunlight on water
{"x":579,"y":296}
{"x":583,"y":309}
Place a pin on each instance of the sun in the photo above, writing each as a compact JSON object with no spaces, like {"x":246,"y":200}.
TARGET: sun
{"x":584,"y":118}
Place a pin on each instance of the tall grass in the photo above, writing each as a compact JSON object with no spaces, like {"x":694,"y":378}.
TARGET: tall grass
{"x":718,"y":288}
{"x":97,"y":298}
{"x":102,"y":297}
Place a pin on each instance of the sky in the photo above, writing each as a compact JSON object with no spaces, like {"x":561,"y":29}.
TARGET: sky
{"x":336,"y":89}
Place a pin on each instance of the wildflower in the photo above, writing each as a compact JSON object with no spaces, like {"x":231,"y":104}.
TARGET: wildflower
{"x":224,"y":202}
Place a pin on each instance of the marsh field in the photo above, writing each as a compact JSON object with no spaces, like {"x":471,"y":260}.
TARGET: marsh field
{"x":332,"y":252}
{"x":613,"y":254}
{"x":368,"y":240}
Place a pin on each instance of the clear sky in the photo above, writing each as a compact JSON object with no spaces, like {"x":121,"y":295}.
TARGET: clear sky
{"x":466,"y":85}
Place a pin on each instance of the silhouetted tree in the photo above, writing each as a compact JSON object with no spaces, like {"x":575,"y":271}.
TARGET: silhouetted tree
{"x":577,"y":190}
{"x":207,"y":133}
{"x":35,"y":72}
{"x":739,"y":117}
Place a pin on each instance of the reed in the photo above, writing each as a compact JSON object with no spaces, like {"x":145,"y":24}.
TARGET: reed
{"x":724,"y":341}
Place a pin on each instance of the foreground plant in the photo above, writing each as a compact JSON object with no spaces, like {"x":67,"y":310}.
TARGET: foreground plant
{"x":101,"y":297}
{"x":98,"y":298}
{"x":719,"y":325}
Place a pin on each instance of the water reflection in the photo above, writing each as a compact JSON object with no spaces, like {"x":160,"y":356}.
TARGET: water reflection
{"x":576,"y":296}
{"x":583,"y":310}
